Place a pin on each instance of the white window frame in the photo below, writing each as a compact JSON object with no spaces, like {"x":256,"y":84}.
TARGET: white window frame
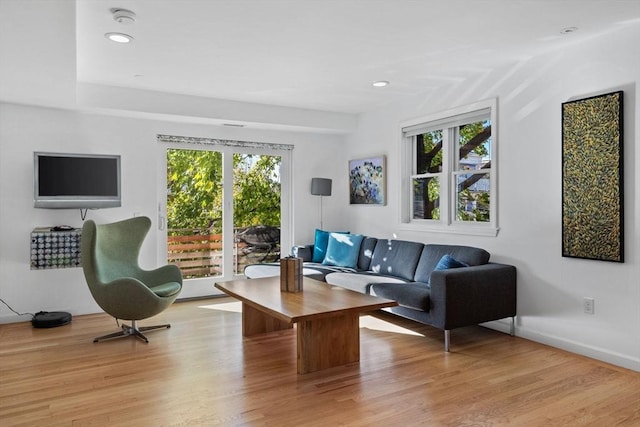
{"x":447,"y":120}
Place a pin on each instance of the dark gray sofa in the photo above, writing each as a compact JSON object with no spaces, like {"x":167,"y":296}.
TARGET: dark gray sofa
{"x":404,"y":271}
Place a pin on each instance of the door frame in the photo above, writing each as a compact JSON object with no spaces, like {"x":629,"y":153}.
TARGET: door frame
{"x":203,"y":287}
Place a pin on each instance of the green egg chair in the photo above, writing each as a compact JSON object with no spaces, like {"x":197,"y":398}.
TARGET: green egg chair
{"x":121,"y":288}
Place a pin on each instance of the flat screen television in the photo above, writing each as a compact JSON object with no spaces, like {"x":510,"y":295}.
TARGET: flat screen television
{"x":70,"y":181}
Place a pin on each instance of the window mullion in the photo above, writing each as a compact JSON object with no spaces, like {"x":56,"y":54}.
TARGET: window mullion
{"x":227,"y":212}
{"x":445,"y":185}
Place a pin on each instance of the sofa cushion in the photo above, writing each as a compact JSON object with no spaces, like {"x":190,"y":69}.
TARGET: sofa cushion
{"x":366,"y":252}
{"x":166,"y":289}
{"x":431,"y":255}
{"x":411,"y":295}
{"x":396,"y":258}
{"x":447,"y":262}
{"x":305,"y":252}
{"x":359,"y":282}
{"x":320,"y":244}
{"x":343,"y":250}
{"x":312,"y":270}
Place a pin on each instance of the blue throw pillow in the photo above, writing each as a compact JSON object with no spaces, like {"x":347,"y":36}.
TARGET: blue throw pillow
{"x":320,"y":244}
{"x":447,"y":262}
{"x":343,"y":250}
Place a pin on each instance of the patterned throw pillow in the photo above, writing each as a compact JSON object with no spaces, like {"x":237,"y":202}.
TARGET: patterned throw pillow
{"x":343,"y":250}
{"x":320,"y":244}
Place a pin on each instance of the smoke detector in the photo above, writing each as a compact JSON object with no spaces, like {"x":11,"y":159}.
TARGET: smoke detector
{"x":123,"y":16}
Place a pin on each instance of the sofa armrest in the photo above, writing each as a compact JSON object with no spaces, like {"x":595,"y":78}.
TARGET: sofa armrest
{"x":305,"y":252}
{"x":471,"y":295}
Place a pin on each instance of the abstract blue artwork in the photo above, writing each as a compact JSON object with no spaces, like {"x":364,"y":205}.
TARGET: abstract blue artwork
{"x":367,"y":181}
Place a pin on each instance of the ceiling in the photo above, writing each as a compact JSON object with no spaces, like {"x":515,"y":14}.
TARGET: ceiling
{"x":316,"y":59}
{"x":324,"y":55}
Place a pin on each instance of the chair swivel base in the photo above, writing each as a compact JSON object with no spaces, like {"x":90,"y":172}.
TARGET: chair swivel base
{"x":132,"y":330}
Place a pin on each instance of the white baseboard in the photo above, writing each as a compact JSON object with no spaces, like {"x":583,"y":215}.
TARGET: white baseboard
{"x":14,"y":318}
{"x":622,"y":360}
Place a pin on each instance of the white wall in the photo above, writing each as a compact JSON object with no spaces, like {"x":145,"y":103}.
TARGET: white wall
{"x":25,"y":129}
{"x":550,"y":288}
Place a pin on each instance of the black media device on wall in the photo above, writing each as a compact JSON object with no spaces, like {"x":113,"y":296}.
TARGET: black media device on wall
{"x":72,"y":181}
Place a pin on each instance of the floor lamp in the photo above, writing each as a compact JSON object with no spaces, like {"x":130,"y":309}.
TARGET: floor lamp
{"x":321,"y":187}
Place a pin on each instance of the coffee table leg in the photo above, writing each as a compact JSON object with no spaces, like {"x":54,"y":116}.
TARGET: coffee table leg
{"x":256,"y":322}
{"x":328,"y":342}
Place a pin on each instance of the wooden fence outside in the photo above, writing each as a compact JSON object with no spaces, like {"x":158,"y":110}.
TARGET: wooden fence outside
{"x":199,"y":254}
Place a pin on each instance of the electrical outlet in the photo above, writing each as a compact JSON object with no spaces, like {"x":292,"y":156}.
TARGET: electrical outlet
{"x":589,"y":305}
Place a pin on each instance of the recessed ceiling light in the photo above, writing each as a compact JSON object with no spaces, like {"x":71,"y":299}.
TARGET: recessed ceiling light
{"x":119,"y":37}
{"x":380,"y":83}
{"x":568,"y":30}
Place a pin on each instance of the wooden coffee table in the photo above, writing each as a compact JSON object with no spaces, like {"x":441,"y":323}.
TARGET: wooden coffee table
{"x":327,"y":317}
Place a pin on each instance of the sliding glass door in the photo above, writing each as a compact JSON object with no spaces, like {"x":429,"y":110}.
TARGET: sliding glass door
{"x":225,"y":206}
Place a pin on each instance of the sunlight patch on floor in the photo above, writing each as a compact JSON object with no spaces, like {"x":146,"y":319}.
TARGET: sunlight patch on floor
{"x":376,"y":324}
{"x":234,"y":307}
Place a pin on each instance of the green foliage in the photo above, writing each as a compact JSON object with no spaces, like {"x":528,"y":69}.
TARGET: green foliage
{"x":429,"y":152}
{"x":469,"y":131}
{"x":256,"y":190}
{"x":195,"y":190}
{"x":473,"y":138}
{"x":433,"y":189}
{"x":481,"y":210}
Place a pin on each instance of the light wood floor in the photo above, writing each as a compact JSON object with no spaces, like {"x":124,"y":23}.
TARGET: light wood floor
{"x":201,"y":372}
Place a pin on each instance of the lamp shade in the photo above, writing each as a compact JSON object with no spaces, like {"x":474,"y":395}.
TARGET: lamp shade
{"x":320,"y":186}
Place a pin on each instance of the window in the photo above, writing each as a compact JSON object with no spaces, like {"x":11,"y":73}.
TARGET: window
{"x":449,"y":169}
